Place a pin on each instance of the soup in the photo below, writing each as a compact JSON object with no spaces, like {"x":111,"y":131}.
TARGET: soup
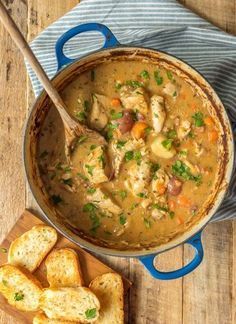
{"x":153,"y":179}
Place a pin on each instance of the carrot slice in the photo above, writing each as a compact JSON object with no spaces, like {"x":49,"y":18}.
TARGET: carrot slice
{"x":213,"y":136}
{"x":138,"y":130}
{"x":209,"y":121}
{"x":183,"y":201}
{"x":115,"y":102}
{"x":161,"y":188}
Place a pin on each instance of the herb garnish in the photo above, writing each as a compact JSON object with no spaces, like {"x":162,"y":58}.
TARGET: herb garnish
{"x":134,"y":83}
{"x":120,"y":144}
{"x":89,"y":207}
{"x":89,"y":169}
{"x":56,"y":199}
{"x":171,"y":134}
{"x":147,"y":223}
{"x":169,"y":75}
{"x":167,"y":144}
{"x":91,"y":190}
{"x":182,"y":170}
{"x":198,"y":119}
{"x":142,"y":195}
{"x":116,"y":115}
{"x":123,"y":194}
{"x":18,"y":296}
{"x":91,"y":313}
{"x":144,"y":74}
{"x":158,"y":78}
{"x":129,"y":155}
{"x":82,"y":176}
{"x":122,"y":219}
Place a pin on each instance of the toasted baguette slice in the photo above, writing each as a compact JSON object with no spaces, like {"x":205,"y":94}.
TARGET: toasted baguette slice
{"x":20,"y":288}
{"x":70,"y":304}
{"x":109,"y":290}
{"x":29,"y":250}
{"x":63,"y":268}
{"x":41,"y":318}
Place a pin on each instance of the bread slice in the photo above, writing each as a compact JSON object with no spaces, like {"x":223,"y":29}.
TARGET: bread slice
{"x":63,"y":268}
{"x":29,"y":250}
{"x":70,"y":304}
{"x":20,"y":288}
{"x":41,"y":318}
{"x":109,"y":290}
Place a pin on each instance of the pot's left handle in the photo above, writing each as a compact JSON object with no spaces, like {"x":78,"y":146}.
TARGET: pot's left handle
{"x":110,"y":40}
{"x":148,"y":262}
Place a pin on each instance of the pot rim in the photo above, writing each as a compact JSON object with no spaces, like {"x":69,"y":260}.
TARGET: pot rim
{"x":183,"y":238}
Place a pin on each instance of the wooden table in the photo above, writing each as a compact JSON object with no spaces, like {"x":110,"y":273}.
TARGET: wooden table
{"x":208,"y":294}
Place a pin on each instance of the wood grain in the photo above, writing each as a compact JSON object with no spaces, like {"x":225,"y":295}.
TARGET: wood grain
{"x":90,"y":266}
{"x":206,"y":296}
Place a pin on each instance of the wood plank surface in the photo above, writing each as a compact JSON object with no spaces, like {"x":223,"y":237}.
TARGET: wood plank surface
{"x":207,"y":296}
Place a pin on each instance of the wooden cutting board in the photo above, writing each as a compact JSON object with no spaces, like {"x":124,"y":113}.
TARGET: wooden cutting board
{"x":91,"y":267}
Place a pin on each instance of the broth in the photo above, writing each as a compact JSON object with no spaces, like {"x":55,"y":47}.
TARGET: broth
{"x":162,"y":142}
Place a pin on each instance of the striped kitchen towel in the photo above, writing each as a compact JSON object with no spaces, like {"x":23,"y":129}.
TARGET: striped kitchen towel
{"x":159,"y":24}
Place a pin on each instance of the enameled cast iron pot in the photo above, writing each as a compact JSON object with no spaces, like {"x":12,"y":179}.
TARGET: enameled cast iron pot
{"x":68,"y":69}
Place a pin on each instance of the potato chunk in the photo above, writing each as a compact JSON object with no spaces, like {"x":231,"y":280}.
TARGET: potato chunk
{"x":160,"y":150}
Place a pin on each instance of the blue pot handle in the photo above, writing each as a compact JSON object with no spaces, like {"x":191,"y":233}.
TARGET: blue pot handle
{"x":148,"y":262}
{"x":110,"y":40}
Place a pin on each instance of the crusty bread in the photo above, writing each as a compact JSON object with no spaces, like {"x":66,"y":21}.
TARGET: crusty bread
{"x":109,"y":290}
{"x":29,"y":250}
{"x":63,"y":268}
{"x":20,"y":288}
{"x":70,"y":304}
{"x":41,"y":318}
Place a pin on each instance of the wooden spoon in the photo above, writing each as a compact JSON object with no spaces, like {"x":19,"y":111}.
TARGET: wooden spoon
{"x":72,"y":128}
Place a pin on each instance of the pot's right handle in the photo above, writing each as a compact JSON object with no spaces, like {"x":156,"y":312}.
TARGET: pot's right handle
{"x":148,"y":262}
{"x":110,"y":40}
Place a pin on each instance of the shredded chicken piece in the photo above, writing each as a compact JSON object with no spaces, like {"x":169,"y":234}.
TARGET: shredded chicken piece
{"x":98,"y":118}
{"x":117,"y":154}
{"x":160,"y":179}
{"x":158,"y":112}
{"x":134,"y":98}
{"x":183,"y":129}
{"x":103,"y":200}
{"x":171,"y":89}
{"x":94,"y":166}
{"x":199,"y":150}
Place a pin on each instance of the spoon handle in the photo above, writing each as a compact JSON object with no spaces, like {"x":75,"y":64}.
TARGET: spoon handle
{"x":22,"y":44}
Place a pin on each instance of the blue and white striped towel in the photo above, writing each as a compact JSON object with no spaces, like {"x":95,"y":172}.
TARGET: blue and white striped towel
{"x":159,"y":24}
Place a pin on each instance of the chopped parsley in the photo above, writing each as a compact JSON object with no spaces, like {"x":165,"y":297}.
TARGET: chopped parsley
{"x":123,"y":194}
{"x":183,"y":153}
{"x":142,"y":195}
{"x":147,"y":223}
{"x":110,"y":129}
{"x":5,"y":283}
{"x":120,"y":144}
{"x":91,"y":191}
{"x":3,"y":250}
{"x":154,"y":167}
{"x":158,"y":78}
{"x":169,"y":75}
{"x":82,"y":176}
{"x":167,"y":144}
{"x":91,"y":313}
{"x":89,"y":169}
{"x":68,"y":182}
{"x":198,"y":119}
{"x":133,"y":206}
{"x":101,"y":159}
{"x":129,"y":155}
{"x":191,"y":134}
{"x":43,"y":154}
{"x":164,"y":209}
{"x":118,"y":85}
{"x":116,"y":115}
{"x":122,"y":219}
{"x":138,"y":157}
{"x":145,"y":75}
{"x":89,"y":207}
{"x":86,"y":105}
{"x":92,"y":75}
{"x":82,"y":139}
{"x":92,"y":147}
{"x":171,"y":134}
{"x":175,"y":94}
{"x":182,"y":170}
{"x":95,"y":221}
{"x":148,"y":130}
{"x":134,"y":83}
{"x":81,"y":116}
{"x":18,"y":296}
{"x":56,"y":199}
